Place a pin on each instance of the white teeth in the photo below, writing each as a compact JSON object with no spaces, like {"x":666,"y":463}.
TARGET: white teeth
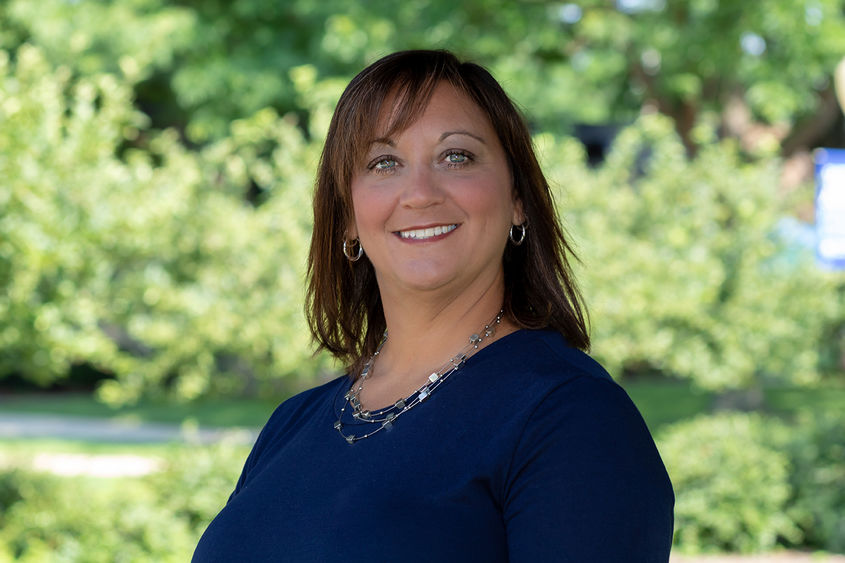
{"x":427,"y":233}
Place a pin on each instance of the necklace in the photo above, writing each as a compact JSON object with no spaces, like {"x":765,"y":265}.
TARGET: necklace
{"x":383,"y":419}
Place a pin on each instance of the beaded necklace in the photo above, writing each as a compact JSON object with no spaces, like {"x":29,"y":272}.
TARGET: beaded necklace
{"x":383,"y":419}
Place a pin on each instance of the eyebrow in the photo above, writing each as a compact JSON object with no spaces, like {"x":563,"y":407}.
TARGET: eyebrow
{"x":462,"y":132}
{"x":389,"y":142}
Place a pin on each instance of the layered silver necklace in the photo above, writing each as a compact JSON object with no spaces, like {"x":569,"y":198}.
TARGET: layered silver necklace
{"x":383,"y":419}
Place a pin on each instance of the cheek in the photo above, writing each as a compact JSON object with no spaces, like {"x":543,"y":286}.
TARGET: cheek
{"x":370,"y":210}
{"x":492,"y":198}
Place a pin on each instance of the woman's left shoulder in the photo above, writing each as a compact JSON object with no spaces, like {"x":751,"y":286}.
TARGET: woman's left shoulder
{"x":584,"y":462}
{"x":543,"y":383}
{"x":539,"y":361}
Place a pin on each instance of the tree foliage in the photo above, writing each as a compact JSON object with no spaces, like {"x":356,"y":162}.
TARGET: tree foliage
{"x":682,"y":264}
{"x":202,"y":63}
{"x":148,"y":263}
{"x":157,"y":159}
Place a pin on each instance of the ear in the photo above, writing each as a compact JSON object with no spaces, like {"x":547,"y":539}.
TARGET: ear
{"x":351,"y":231}
{"x":518,"y":212}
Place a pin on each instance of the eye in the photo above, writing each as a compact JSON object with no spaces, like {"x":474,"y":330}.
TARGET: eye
{"x":457,"y":158}
{"x":382,"y":164}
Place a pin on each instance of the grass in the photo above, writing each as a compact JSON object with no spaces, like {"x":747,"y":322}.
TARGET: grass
{"x":660,"y":401}
{"x":663,"y":402}
{"x":789,"y":400}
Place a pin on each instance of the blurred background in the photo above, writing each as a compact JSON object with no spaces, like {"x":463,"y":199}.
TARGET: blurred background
{"x":156,"y":165}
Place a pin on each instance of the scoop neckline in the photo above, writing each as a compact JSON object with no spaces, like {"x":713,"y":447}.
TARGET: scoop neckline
{"x":348,"y":382}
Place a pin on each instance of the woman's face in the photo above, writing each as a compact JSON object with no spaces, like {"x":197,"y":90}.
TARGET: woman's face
{"x":433,"y":204}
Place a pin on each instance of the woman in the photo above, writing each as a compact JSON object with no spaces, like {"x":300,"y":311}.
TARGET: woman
{"x":470,"y":426}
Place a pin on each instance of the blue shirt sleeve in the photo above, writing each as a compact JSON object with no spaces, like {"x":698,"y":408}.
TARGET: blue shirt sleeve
{"x":586,"y":482}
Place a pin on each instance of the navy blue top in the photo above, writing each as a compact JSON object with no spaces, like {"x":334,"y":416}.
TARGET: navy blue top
{"x":529,"y":453}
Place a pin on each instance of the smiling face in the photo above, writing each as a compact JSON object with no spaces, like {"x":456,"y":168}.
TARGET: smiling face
{"x":433,"y":204}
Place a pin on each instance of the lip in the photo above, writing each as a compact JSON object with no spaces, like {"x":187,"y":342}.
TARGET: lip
{"x":441,"y":236}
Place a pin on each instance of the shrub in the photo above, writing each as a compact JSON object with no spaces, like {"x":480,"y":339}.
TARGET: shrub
{"x":731,"y":488}
{"x":196,"y":482}
{"x":682,"y":270}
{"x":122,"y":249}
{"x":180,"y":270}
{"x":817,"y":449}
{"x":80,"y":520}
{"x":156,"y":518}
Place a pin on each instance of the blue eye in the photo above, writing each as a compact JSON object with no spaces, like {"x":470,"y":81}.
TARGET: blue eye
{"x":386,"y":163}
{"x":382,"y":164}
{"x":457,"y":158}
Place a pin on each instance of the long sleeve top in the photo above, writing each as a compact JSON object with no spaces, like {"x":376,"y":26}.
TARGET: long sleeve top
{"x":528,"y":453}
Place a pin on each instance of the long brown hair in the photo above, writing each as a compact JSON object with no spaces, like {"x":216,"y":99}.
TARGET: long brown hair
{"x":343,"y":304}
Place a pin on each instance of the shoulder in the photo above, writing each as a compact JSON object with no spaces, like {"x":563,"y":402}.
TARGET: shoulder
{"x":544,"y":352}
{"x":583,"y":461}
{"x":302,"y":405}
{"x":290,"y":415}
{"x":548,"y":378}
{"x":553,"y":404}
{"x":540,"y":362}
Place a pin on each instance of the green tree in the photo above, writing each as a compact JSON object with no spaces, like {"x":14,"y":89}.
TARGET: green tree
{"x":178,"y":266}
{"x":148,"y":264}
{"x":761,"y":69}
{"x":682,"y":264}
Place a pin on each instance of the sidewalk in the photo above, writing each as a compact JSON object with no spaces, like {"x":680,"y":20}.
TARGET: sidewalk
{"x":783,"y":557}
{"x":25,"y":425}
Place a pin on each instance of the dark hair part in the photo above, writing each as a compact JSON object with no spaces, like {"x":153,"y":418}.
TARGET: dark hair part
{"x":343,"y":305}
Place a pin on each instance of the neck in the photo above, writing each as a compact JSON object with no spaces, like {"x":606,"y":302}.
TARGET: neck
{"x":425,"y":330}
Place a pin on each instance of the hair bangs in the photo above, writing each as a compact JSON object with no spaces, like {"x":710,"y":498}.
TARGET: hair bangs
{"x":399,"y":99}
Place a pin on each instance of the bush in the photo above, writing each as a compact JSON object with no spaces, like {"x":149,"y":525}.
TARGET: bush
{"x":196,"y":482}
{"x":122,"y":249}
{"x":63,"y":519}
{"x":682,"y":270}
{"x":743,"y":482}
{"x":157,"y":518}
{"x":180,"y":270}
{"x":732,"y":489}
{"x":817,"y":449}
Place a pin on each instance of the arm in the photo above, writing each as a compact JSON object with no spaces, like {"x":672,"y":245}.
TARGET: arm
{"x":586,"y":483}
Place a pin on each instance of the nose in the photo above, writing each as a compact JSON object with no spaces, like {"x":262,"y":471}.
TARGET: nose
{"x":421,"y":188}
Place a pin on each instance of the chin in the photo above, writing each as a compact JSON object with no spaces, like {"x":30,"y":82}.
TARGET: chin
{"x":426,"y":283}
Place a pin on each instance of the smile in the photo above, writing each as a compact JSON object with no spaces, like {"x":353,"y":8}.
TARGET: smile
{"x":422,"y":234}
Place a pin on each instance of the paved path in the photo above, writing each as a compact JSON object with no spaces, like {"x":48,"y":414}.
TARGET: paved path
{"x":26,"y":425}
{"x":781,"y":557}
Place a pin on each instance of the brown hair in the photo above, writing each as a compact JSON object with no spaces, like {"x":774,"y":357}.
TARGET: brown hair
{"x":343,"y":305}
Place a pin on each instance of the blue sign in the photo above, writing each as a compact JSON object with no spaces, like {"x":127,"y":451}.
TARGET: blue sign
{"x":830,"y":207}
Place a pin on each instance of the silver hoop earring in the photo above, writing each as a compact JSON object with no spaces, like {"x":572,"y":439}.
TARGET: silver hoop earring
{"x":521,"y":239}
{"x":356,"y":257}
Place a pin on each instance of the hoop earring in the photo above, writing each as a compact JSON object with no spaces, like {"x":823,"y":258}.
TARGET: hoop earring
{"x":356,"y":257}
{"x":521,"y":239}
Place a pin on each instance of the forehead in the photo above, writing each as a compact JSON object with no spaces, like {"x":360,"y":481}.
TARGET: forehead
{"x":444,"y":104}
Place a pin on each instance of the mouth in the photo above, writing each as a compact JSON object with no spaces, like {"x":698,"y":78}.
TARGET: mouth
{"x":427,"y":232}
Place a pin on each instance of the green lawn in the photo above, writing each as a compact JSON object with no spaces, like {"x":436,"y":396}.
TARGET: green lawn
{"x":786,"y":400}
{"x":660,"y":401}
